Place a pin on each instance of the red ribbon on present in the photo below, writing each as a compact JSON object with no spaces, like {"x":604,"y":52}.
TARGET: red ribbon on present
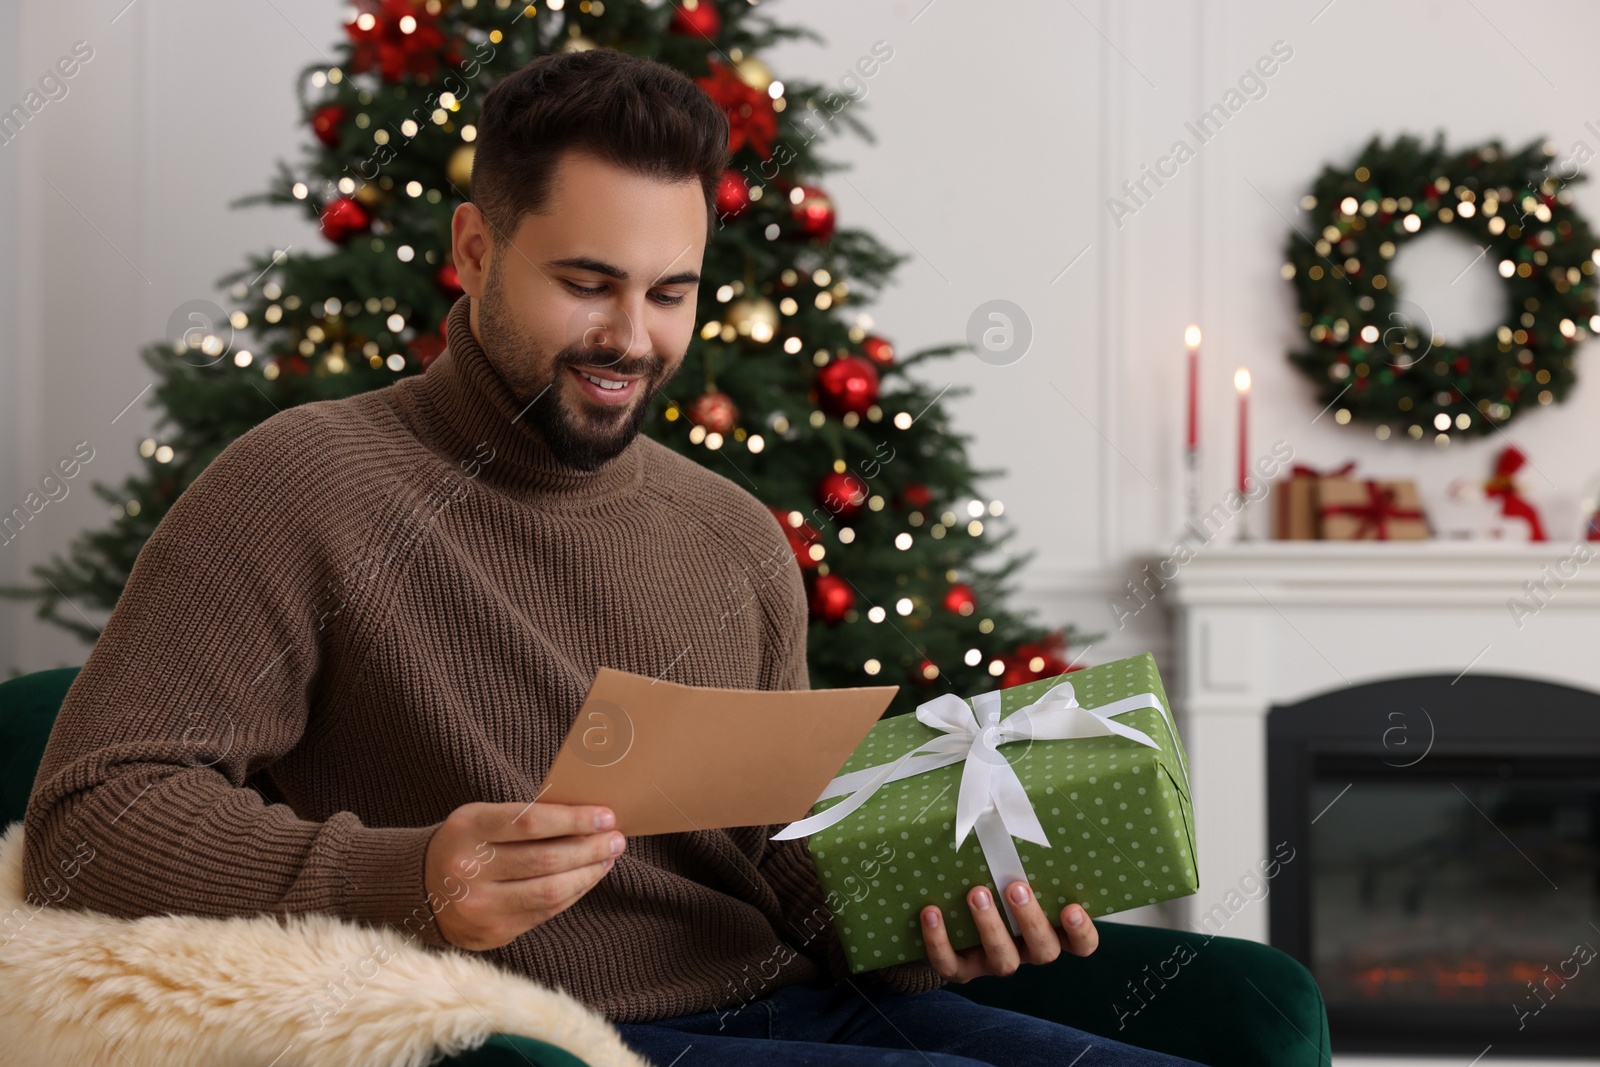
{"x":1512,"y":503}
{"x":1300,"y":470}
{"x":1376,"y":512}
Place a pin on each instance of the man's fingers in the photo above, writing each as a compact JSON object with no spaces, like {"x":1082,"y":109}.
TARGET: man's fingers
{"x":999,"y":946}
{"x":1040,"y":938}
{"x":941,"y":956}
{"x":998,"y":954}
{"x":543,"y":898}
{"x":1081,"y":939}
{"x":513,"y":821}
{"x":516,"y":860}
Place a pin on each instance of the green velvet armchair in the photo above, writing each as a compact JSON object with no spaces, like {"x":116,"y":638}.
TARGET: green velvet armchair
{"x":1233,"y":1003}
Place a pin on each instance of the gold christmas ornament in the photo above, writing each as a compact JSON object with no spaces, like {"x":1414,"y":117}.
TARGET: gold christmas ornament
{"x":368,"y":195}
{"x":754,"y":73}
{"x":459,"y":169}
{"x":755,"y":318}
{"x":577,"y":43}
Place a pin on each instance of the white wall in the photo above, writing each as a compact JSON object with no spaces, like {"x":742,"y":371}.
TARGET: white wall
{"x":1001,"y":132}
{"x":120,"y":215}
{"x":1001,"y":139}
{"x":10,"y":34}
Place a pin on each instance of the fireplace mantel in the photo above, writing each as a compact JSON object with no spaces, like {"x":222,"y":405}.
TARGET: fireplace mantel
{"x":1273,"y":622}
{"x":1404,"y":573}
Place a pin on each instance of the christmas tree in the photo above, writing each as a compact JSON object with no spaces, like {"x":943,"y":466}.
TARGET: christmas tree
{"x":786,"y":389}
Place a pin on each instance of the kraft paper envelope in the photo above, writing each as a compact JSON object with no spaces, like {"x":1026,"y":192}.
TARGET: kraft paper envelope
{"x":668,"y":757}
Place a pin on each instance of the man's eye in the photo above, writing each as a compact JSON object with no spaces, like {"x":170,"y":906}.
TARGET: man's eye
{"x":664,"y":299}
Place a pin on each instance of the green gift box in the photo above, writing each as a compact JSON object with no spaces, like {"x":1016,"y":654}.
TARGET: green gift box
{"x":1093,"y":765}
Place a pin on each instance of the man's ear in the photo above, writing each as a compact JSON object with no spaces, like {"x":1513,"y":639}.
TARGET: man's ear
{"x":471,"y":247}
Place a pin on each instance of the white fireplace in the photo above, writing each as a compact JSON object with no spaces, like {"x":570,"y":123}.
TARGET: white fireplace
{"x":1258,"y":624}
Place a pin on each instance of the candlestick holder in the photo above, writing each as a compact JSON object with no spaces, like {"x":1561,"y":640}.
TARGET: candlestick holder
{"x":1191,"y":486}
{"x":1241,"y":383}
{"x":1244,"y":518}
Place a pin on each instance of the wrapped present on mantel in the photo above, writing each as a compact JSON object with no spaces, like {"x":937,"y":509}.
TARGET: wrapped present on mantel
{"x":1294,"y":513}
{"x":1353,"y":509}
{"x":1077,"y":784}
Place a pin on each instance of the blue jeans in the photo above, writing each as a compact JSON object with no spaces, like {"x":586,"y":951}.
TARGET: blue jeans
{"x":865,"y":1023}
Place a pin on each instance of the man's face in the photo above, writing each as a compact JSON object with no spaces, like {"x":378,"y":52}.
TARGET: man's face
{"x":587,"y":310}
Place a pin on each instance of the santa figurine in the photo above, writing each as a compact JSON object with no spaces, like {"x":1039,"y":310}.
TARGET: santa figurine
{"x":1520,"y":519}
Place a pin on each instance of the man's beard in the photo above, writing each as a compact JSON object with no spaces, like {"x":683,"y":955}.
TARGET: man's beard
{"x":571,"y":440}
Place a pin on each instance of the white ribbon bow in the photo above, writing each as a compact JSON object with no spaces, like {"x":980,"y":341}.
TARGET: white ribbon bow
{"x":992,"y":801}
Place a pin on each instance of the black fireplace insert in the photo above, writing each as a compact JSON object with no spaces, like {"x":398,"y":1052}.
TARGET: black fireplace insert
{"x":1446,"y":891}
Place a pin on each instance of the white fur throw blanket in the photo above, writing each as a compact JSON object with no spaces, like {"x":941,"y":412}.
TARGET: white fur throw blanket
{"x":80,"y":987}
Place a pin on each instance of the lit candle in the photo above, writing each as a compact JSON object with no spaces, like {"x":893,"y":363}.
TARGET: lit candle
{"x":1241,"y":382}
{"x":1191,"y":339}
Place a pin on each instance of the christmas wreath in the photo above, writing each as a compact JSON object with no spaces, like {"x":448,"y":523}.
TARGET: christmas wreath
{"x":1374,"y":355}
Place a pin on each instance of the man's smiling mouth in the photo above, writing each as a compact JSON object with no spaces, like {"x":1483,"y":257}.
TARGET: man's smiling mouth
{"x":604,"y":388}
{"x":605,"y":383}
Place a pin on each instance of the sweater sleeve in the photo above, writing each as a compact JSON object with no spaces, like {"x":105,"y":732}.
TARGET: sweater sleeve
{"x":787,"y":865}
{"x":204,"y":674}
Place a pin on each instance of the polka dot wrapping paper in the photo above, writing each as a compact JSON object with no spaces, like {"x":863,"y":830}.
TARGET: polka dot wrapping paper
{"x":1116,"y":812}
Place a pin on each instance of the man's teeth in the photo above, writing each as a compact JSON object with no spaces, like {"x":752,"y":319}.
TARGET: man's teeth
{"x":605,"y":383}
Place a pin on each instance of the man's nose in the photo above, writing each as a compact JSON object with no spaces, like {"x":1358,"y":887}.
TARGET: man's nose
{"x":620,"y":329}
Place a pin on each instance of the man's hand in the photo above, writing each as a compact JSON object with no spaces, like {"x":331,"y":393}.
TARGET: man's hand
{"x":495,"y":871}
{"x":1000,"y":953}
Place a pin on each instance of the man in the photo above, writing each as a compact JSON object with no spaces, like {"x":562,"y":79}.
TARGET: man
{"x":346,"y":658}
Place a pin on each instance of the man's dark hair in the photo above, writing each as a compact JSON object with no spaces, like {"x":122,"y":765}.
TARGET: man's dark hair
{"x":629,"y":110}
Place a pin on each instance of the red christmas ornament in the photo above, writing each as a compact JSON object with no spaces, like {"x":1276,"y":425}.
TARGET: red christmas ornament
{"x":325,"y":123}
{"x":831,"y":598}
{"x":751,"y":119}
{"x":801,"y":538}
{"x":430,"y":351}
{"x":293,"y":363}
{"x":813,"y":213}
{"x":878,"y":350}
{"x":398,"y":38}
{"x":715,"y":411}
{"x":449,"y":280}
{"x":1015,"y":674}
{"x":959,"y":599}
{"x":426,"y":349}
{"x":842,"y":493}
{"x":846,"y":384}
{"x":696,"y":18}
{"x":1035,"y":660}
{"x":342,"y":218}
{"x":733,"y":195}
{"x":916,"y":495}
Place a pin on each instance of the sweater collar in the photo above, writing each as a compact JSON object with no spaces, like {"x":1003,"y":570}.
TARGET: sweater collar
{"x":468,"y":409}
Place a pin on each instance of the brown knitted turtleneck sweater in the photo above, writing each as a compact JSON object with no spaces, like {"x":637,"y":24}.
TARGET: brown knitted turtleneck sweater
{"x":367,"y":612}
